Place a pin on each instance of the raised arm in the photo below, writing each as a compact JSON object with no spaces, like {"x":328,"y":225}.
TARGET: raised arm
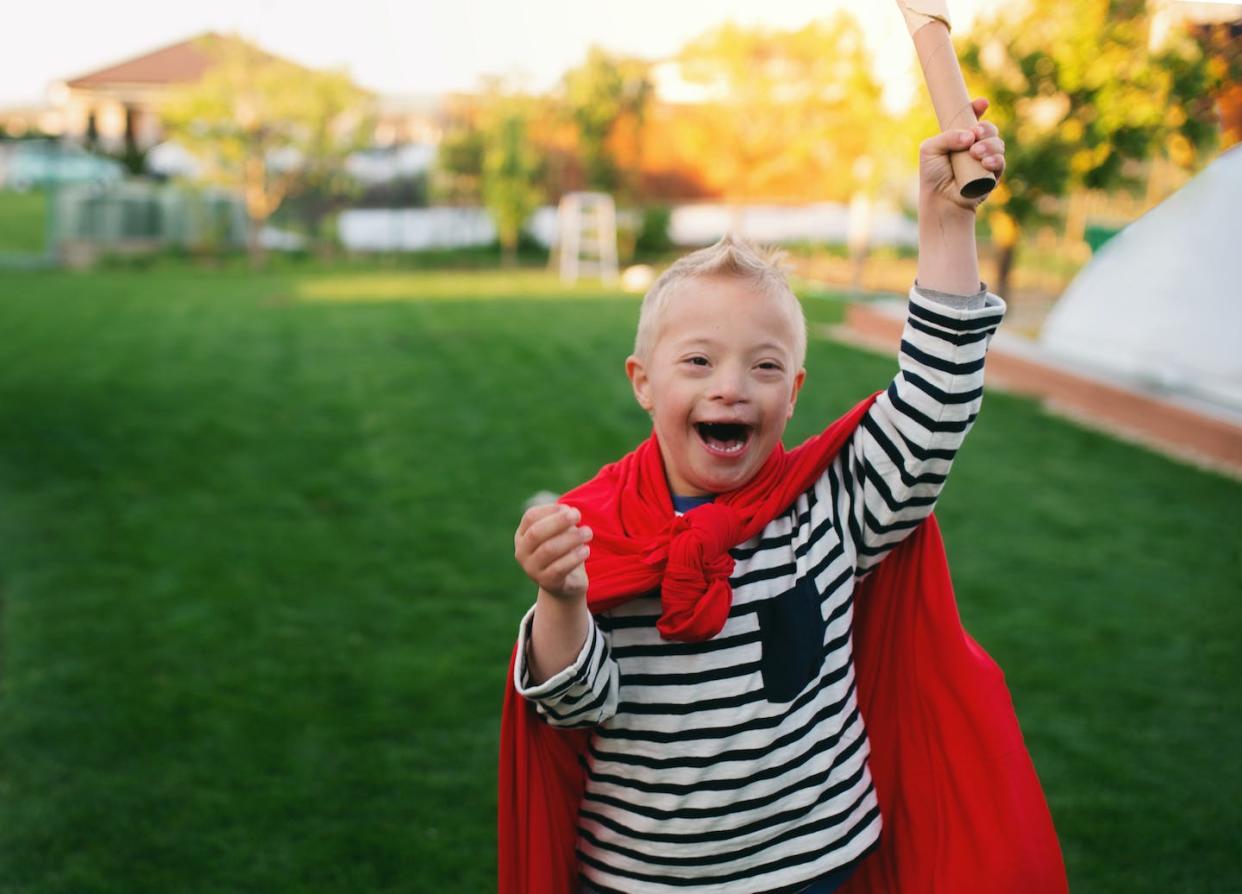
{"x":948,"y":260}
{"x":889,"y":477}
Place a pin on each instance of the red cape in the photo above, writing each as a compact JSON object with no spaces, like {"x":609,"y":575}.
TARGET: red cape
{"x":962,"y":807}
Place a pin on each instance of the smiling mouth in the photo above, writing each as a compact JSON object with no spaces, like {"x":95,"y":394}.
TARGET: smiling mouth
{"x":723,"y":438}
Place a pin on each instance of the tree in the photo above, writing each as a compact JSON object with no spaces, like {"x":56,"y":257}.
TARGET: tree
{"x":785,"y":113}
{"x":607,"y":97}
{"x":1080,"y":100}
{"x":511,"y":169}
{"x":268,"y":127}
{"x":457,"y":178}
{"x":493,"y":154}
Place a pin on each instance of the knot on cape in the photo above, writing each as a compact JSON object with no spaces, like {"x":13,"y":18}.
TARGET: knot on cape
{"x":695,"y":591}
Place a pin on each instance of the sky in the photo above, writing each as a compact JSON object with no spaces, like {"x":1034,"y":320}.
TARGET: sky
{"x":419,"y":46}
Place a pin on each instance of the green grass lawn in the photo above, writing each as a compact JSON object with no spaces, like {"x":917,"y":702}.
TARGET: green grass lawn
{"x":257,"y":592}
{"x":23,"y":222}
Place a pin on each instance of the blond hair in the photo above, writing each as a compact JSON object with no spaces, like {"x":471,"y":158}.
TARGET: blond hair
{"x":730,"y":257}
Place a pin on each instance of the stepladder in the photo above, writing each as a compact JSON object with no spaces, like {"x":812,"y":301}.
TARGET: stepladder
{"x":586,"y":243}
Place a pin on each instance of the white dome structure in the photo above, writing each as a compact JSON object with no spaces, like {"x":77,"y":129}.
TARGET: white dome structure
{"x":1161,"y":303}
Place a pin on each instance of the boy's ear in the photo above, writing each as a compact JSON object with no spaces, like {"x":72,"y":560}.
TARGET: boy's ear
{"x":799,"y":378}
{"x":637,"y":374}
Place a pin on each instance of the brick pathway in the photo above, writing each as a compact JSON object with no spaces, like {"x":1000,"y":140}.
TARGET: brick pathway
{"x":1180,"y":428}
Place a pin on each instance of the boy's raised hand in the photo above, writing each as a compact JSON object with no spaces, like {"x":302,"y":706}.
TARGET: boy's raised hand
{"x":936,"y":184}
{"x":552,"y":548}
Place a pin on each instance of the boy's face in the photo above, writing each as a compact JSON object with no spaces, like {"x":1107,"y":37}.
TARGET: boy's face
{"x":720,"y":382}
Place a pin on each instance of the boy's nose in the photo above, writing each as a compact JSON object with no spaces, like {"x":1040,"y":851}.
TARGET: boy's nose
{"x":728,"y":387}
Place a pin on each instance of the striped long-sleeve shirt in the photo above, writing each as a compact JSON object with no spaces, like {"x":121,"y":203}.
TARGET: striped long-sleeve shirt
{"x":739,"y":764}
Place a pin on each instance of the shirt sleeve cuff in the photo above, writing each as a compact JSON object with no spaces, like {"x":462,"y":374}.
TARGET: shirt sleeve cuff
{"x":983,"y":305}
{"x":954,"y":300}
{"x":559,"y":681}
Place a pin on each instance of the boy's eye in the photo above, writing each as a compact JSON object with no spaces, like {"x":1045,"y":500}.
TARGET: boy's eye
{"x":769,"y":365}
{"x":697,"y":361}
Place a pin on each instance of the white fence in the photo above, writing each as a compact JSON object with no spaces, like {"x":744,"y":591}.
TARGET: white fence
{"x":417,"y":229}
{"x":817,"y":222}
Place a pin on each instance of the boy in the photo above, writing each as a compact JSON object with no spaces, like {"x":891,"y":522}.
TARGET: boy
{"x":725,"y":750}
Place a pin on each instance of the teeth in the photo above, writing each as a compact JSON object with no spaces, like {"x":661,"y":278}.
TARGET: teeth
{"x":715,"y":436}
{"x":727,"y":446}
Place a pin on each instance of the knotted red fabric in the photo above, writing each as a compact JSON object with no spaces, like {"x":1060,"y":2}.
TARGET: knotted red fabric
{"x":640,"y":544}
{"x":961,"y":804}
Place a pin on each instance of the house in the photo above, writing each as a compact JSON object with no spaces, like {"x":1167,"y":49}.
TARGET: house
{"x":117,"y":107}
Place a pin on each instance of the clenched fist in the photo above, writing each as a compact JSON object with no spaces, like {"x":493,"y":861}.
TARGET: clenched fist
{"x":552,"y":548}
{"x":936,"y":183}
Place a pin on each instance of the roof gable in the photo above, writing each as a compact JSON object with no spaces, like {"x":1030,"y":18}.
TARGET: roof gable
{"x":179,"y":63}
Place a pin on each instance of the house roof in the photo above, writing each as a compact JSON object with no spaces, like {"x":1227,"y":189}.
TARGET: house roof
{"x":178,"y":63}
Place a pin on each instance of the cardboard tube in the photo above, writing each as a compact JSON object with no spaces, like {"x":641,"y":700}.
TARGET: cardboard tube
{"x":919,"y":12}
{"x":928,"y":23}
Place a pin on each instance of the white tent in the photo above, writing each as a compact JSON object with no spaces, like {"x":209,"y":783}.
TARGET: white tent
{"x":1161,"y":304}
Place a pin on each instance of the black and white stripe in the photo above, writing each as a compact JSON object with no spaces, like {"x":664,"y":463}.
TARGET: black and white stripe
{"x":707,"y":772}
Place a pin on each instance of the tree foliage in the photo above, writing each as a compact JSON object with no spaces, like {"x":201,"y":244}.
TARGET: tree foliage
{"x":785,"y":113}
{"x":457,"y":178}
{"x":268,"y":127}
{"x":511,"y":168}
{"x":1080,"y":100}
{"x":606,"y":98}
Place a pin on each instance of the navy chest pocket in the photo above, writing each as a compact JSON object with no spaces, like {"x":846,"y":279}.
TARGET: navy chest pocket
{"x":791,"y":633}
